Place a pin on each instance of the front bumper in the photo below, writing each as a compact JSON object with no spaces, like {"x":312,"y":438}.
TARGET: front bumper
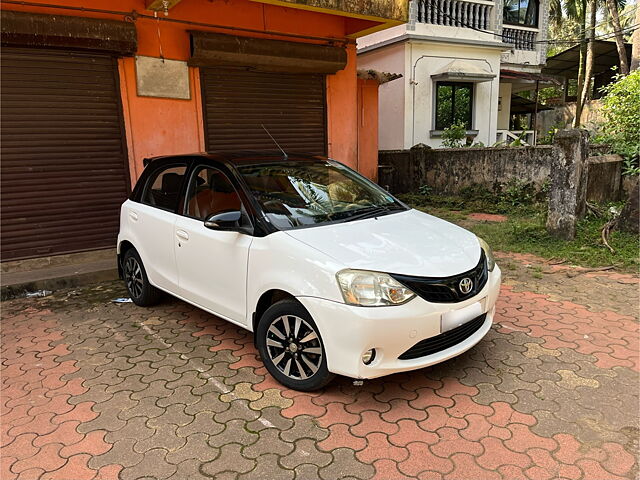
{"x":349,"y":331}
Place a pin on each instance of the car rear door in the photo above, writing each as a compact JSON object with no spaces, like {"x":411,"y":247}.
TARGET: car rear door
{"x":152,"y":220}
{"x":212,"y":264}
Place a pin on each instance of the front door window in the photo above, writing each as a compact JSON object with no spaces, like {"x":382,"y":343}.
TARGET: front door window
{"x":210,"y":193}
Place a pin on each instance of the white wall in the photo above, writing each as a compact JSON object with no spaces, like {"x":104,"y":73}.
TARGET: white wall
{"x":391,"y":101}
{"x":504,"y":113}
{"x":419,"y":98}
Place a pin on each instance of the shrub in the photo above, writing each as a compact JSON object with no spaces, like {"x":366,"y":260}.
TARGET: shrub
{"x":621,"y":112}
{"x":455,"y":136}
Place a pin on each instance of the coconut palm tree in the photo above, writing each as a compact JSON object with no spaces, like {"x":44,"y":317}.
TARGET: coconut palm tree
{"x":612,"y":8}
{"x":580,"y":16}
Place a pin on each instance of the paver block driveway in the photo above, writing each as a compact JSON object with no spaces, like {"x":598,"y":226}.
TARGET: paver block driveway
{"x":92,"y":389}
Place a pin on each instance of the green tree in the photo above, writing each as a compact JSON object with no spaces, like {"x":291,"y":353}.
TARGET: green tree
{"x":621,"y":126}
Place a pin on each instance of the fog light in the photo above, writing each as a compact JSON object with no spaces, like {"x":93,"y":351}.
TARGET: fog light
{"x":369,"y":356}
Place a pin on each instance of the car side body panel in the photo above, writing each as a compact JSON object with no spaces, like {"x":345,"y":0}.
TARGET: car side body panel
{"x":151,"y":231}
{"x":280,"y":262}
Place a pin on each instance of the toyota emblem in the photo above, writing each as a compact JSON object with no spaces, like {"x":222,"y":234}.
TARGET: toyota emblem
{"x":465,"y":285}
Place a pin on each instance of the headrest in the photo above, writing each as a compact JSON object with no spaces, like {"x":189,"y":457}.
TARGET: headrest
{"x":171,"y":182}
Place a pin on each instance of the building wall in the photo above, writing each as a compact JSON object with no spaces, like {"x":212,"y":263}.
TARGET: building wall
{"x":427,"y":58}
{"x":158,"y":126}
{"x":391,"y":95}
{"x":504,"y":109}
{"x":367,"y":128}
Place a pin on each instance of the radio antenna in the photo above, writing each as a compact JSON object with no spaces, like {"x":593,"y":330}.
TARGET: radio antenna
{"x":274,"y":141}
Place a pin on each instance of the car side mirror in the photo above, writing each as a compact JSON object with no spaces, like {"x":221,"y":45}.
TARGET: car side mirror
{"x":224,"y":220}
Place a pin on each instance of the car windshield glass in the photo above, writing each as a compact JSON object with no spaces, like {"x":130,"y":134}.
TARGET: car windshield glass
{"x":294,"y":194}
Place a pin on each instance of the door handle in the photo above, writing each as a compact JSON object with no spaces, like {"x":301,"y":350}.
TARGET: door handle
{"x":182,"y":235}
{"x":134,"y":216}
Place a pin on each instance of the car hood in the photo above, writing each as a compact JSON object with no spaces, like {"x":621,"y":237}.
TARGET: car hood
{"x":407,"y":243}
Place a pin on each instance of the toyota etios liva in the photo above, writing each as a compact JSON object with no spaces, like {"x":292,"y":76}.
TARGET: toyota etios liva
{"x":331,"y":273}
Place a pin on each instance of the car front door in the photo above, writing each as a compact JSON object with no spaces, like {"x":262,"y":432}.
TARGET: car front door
{"x":152,"y":221}
{"x":212,"y":264}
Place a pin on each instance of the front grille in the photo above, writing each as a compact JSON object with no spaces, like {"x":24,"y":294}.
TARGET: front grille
{"x":445,"y":340}
{"x":447,"y":289}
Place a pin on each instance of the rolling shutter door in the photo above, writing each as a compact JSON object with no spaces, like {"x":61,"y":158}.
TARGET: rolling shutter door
{"x":64,"y":170}
{"x":290,"y":106}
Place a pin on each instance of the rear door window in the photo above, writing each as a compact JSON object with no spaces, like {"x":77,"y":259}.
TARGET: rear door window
{"x":164,"y":187}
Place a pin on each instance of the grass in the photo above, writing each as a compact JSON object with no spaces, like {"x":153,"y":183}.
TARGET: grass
{"x":525,"y":232}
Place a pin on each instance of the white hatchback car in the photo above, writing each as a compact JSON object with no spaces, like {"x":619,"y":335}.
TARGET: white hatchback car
{"x":331,"y":273}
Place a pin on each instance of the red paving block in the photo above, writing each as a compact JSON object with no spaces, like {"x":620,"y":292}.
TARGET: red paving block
{"x":21,"y":447}
{"x":65,"y":434}
{"x":437,"y":417}
{"x":109,"y":472}
{"x":524,"y":439}
{"x":378,"y":446}
{"x":466,"y":468}
{"x":478,"y":427}
{"x":302,"y":405}
{"x":593,"y":470}
{"x":619,"y":461}
{"x":409,"y":431}
{"x":337,"y":414}
{"x":57,"y":404}
{"x":366,"y":401}
{"x":76,"y":468}
{"x":93,"y":443}
{"x":452,"y":386}
{"x":388,"y":469}
{"x":421,"y":459}
{"x":401,"y":409}
{"x":47,"y":458}
{"x":340,"y":436}
{"x":40,"y":424}
{"x":451,"y":442}
{"x":371,"y":421}
{"x":81,"y":412}
{"x":427,"y":397}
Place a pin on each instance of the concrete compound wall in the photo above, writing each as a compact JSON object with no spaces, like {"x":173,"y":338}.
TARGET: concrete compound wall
{"x":449,"y":170}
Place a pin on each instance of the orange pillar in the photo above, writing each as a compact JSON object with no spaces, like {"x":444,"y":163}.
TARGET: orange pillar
{"x":368,"y":128}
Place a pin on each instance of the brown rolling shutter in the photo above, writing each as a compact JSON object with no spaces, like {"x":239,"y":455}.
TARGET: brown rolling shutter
{"x":290,"y":106}
{"x":64,"y":169}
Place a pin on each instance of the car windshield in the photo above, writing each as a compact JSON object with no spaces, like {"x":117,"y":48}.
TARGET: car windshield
{"x":294,"y":194}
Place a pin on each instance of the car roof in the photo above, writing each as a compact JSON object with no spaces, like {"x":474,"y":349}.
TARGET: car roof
{"x":245,"y":157}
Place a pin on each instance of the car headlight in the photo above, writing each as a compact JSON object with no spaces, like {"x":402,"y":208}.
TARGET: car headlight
{"x":491,"y":261}
{"x":372,"y":289}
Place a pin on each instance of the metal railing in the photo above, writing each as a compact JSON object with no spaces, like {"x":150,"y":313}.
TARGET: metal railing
{"x":521,"y":39}
{"x":455,"y":13}
{"x":526,"y":137}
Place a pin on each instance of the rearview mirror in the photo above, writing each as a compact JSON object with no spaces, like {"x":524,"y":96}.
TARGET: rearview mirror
{"x":224,"y":221}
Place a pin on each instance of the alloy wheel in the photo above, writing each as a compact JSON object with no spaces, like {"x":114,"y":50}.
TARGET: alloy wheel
{"x":294,"y":347}
{"x":133,"y":277}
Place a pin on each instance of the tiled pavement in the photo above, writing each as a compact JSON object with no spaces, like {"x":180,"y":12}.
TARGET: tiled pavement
{"x":95,"y":390}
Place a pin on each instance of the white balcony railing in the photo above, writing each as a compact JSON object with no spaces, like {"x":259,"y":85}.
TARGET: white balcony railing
{"x":526,"y":137}
{"x":521,"y":39}
{"x":455,"y":13}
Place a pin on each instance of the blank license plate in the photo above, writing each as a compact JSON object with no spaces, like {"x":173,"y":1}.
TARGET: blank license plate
{"x":455,"y":318}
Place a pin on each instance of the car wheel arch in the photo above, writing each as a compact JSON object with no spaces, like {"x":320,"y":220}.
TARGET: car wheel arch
{"x":123,"y":247}
{"x":267,"y":299}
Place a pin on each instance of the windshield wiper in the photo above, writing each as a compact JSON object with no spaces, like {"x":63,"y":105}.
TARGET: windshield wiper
{"x":371,"y":212}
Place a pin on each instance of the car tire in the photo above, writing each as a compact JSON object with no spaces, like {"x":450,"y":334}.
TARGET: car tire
{"x":291,"y":347}
{"x":142,"y":293}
